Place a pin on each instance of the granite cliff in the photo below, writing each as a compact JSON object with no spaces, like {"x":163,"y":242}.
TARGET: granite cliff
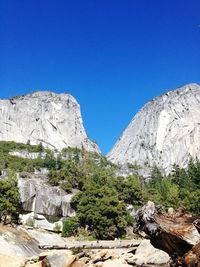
{"x":166,"y":131}
{"x":44,"y":117}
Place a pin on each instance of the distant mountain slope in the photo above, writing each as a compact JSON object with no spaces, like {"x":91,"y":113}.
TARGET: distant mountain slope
{"x":164,"y":132}
{"x":52,"y":119}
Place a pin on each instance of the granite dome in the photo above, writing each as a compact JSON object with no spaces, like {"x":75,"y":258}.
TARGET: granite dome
{"x":44,"y":117}
{"x":166,"y":131}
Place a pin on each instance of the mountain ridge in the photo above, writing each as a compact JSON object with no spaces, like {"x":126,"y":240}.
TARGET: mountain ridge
{"x":153,"y":136}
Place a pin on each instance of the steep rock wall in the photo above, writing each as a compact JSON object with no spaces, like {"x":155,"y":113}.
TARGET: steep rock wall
{"x":164,"y":132}
{"x":44,"y":117}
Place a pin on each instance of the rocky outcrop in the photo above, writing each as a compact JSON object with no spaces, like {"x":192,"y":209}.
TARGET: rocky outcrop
{"x":166,"y":131}
{"x":22,"y":246}
{"x":17,"y":242}
{"x":44,"y":117}
{"x":146,"y":255}
{"x":39,"y":197}
{"x":22,"y":243}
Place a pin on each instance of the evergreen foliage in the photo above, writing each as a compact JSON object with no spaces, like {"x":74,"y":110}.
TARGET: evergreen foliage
{"x":70,"y":227}
{"x":102,"y":197}
{"x":99,"y":208}
{"x":180,"y":188}
{"x":9,"y":198}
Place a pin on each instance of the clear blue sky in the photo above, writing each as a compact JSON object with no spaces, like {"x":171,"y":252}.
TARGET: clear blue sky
{"x":112,"y":55}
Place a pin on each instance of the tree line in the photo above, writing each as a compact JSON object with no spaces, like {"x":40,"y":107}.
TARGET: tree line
{"x":102,"y":197}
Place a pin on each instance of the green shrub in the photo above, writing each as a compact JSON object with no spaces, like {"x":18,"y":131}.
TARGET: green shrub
{"x":70,"y":227}
{"x":9,"y":198}
{"x":66,"y":186}
{"x":134,"y":166}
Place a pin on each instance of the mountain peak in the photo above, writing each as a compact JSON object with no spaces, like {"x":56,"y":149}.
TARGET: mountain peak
{"x":166,"y":131}
{"x":44,"y":117}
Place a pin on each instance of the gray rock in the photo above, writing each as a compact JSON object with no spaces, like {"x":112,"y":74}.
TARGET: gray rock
{"x":60,"y":260}
{"x":39,"y":221}
{"x":16,"y":242}
{"x":44,"y":117}
{"x":166,"y":131}
{"x":39,"y":197}
{"x":23,"y":242}
{"x":146,"y":255}
{"x":46,"y":238}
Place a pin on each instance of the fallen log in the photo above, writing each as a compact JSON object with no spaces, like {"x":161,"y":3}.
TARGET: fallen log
{"x":174,"y":233}
{"x":94,"y":245}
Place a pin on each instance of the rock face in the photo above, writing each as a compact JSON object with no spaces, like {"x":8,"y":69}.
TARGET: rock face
{"x":146,"y":255}
{"x":16,"y":242}
{"x":44,"y":117}
{"x":164,"y":132}
{"x":39,"y":197}
{"x":23,"y":242}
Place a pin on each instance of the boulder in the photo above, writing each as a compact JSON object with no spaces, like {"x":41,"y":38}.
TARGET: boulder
{"x":146,"y":254}
{"x":39,"y":197}
{"x":59,"y":260}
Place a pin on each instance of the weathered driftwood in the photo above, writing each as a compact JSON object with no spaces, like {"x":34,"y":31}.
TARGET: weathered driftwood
{"x":174,"y":233}
{"x":94,"y":245}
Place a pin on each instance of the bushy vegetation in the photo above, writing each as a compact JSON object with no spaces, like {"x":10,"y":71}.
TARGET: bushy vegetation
{"x":101,"y":204}
{"x":8,"y":161}
{"x":102,"y":197}
{"x":180,"y":188}
{"x":99,"y":208}
{"x":9,"y":199}
{"x":7,"y":146}
{"x":70,"y":227}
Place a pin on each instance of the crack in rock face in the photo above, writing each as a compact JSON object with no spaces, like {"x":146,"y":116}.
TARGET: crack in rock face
{"x":44,"y":117}
{"x":166,"y":131}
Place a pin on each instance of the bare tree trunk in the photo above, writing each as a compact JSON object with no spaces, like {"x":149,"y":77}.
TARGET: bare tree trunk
{"x":95,"y":245}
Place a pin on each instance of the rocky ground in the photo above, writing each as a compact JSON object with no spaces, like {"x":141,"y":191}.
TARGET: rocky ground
{"x":19,"y":247}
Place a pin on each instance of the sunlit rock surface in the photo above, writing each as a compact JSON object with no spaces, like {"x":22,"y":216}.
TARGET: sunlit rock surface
{"x":166,"y":131}
{"x":44,"y":117}
{"x":39,"y":197}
